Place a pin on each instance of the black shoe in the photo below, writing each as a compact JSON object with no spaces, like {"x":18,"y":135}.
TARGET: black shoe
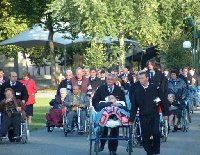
{"x":175,"y":129}
{"x":113,"y":153}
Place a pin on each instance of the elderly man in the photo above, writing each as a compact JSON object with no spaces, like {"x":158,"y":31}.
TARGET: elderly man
{"x":87,"y":72}
{"x":102,"y":94}
{"x":66,"y":83}
{"x":80,"y":80}
{"x":75,"y":100}
{"x":19,"y":89}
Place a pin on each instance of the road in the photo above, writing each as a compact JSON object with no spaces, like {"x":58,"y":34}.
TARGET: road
{"x":43,"y":143}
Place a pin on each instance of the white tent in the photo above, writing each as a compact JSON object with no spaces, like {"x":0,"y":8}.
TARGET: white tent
{"x":37,"y":36}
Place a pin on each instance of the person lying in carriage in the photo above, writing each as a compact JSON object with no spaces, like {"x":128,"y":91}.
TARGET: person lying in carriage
{"x":73,"y":101}
{"x":10,"y":109}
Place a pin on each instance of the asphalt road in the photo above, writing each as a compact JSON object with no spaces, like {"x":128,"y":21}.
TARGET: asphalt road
{"x":43,"y":143}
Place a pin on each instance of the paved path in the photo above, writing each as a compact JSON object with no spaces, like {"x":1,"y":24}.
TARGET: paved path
{"x":43,"y":143}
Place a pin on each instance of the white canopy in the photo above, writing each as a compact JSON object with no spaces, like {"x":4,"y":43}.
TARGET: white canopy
{"x":37,"y":36}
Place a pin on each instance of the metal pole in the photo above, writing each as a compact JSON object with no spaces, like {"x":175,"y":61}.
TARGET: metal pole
{"x":198,"y":56}
{"x":194,"y":44}
{"x":65,"y":58}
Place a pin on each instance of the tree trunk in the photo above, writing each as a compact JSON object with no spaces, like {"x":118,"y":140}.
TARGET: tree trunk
{"x":52,"y":57}
{"x":122,"y":51}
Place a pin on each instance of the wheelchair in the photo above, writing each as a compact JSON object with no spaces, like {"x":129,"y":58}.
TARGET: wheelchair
{"x":184,"y":120}
{"x":164,"y":126}
{"x":137,"y":133}
{"x":24,"y":131}
{"x":97,"y":123}
{"x":76,"y":126}
{"x":54,"y":119}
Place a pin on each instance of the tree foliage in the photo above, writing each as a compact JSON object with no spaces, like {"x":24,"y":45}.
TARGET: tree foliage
{"x":9,"y":27}
{"x":95,"y":56}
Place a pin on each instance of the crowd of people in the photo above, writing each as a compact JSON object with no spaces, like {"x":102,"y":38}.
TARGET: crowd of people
{"x":174,"y":87}
{"x":146,"y":90}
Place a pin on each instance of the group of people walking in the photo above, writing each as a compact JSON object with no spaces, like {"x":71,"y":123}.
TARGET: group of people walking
{"x":147,"y":90}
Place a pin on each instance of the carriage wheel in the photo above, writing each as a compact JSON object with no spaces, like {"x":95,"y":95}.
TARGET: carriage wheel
{"x":50,"y":128}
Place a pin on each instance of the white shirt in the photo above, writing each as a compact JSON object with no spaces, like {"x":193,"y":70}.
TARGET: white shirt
{"x":110,"y":88}
{"x":12,"y":84}
{"x":145,"y":87}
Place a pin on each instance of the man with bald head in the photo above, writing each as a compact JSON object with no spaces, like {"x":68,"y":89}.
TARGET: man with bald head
{"x":80,"y":80}
{"x":66,"y":83}
{"x":20,"y":90}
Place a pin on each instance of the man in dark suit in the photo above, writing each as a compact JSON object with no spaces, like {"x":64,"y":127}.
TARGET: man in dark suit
{"x":66,"y":83}
{"x":20,"y":90}
{"x":101,"y":95}
{"x":103,"y":76}
{"x":93,"y":82}
{"x":146,"y":98}
{"x":3,"y":79}
{"x":157,"y":78}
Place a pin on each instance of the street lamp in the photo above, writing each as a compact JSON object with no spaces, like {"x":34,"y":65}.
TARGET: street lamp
{"x":188,"y":45}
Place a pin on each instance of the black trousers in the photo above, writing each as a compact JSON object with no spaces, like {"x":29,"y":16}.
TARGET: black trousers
{"x":112,"y":144}
{"x":14,"y":120}
{"x":150,"y":127}
{"x":29,"y":110}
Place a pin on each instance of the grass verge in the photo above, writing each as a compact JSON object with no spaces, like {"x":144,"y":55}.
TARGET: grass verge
{"x":39,"y":112}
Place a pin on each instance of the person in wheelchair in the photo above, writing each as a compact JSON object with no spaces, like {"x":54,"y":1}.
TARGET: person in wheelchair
{"x":11,"y":109}
{"x":75,"y":100}
{"x":174,"y":111}
{"x":58,"y":102}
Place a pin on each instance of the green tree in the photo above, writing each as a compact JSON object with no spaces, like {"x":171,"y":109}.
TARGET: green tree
{"x":9,"y":27}
{"x":175,"y":55}
{"x":47,"y":12}
{"x":98,"y":19}
{"x":95,"y":56}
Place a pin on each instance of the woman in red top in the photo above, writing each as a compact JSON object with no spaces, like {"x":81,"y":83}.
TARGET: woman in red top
{"x":32,"y":90}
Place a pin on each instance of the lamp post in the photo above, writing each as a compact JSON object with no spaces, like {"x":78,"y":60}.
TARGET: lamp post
{"x":188,"y":45}
{"x":191,"y":23}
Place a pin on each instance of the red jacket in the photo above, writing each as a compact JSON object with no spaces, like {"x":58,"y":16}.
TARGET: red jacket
{"x":32,"y":90}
